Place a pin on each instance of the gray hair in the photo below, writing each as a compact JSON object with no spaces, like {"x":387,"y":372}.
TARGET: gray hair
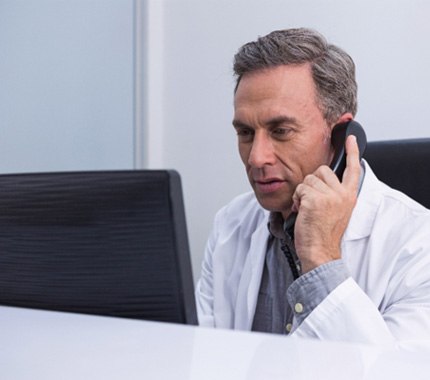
{"x":333,"y":70}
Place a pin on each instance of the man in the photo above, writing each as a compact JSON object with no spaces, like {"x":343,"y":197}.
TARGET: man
{"x":356,"y":264}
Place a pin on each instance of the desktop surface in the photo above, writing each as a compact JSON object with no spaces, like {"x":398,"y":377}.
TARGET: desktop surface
{"x":55,"y":345}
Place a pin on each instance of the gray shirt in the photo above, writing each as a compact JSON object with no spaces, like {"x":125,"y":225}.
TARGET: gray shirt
{"x":283,"y":303}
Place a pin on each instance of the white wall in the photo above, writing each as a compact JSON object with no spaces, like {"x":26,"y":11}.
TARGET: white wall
{"x":387,"y":38}
{"x":66,"y":85}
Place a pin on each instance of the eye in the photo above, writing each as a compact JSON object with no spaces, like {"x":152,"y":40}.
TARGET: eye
{"x":280,"y":133}
{"x":245,"y":134}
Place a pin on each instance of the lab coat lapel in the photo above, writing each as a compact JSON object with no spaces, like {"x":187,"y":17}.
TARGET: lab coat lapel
{"x":249,"y":284}
{"x":367,"y":206}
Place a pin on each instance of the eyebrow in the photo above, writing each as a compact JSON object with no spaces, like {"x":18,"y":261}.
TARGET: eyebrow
{"x":238,"y":124}
{"x":275,"y":121}
{"x":282,"y":119}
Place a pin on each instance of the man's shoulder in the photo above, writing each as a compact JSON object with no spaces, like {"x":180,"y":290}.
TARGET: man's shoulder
{"x":406,"y":216}
{"x":379,"y":205}
{"x":398,"y":206}
{"x":394,"y":197}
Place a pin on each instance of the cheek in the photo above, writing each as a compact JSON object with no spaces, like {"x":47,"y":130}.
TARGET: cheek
{"x":304,"y":157}
{"x":326,"y":149}
{"x":244,"y":151}
{"x":320,"y":155}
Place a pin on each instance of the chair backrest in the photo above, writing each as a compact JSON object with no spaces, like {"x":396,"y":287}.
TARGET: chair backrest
{"x":106,"y":243}
{"x":403,"y":165}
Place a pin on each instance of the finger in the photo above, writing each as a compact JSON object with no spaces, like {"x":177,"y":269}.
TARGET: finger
{"x":351,"y":176}
{"x":296,"y":198}
{"x":309,"y":194}
{"x":327,"y":176}
{"x":317,"y":182}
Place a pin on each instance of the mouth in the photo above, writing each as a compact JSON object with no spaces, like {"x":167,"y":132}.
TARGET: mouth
{"x":269,"y":185}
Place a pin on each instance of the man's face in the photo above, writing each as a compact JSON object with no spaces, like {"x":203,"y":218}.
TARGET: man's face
{"x":281,"y":132}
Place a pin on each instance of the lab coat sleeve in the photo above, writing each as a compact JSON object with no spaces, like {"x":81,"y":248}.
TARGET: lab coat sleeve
{"x":403,"y":313}
{"x":346,"y":314}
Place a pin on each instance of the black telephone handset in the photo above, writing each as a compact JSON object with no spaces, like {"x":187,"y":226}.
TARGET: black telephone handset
{"x":339,"y":135}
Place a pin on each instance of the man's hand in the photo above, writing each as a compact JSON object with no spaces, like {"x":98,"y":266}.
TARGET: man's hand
{"x":324,"y":207}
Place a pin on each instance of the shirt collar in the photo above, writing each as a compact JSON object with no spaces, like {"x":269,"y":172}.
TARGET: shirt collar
{"x":276,"y":225}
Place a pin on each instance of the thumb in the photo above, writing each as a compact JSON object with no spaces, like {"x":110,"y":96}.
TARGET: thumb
{"x":351,"y":175}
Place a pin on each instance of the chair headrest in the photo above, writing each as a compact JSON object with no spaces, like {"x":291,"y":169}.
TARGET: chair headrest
{"x":403,"y":165}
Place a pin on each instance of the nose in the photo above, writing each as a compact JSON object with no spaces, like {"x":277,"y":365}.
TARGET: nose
{"x":262,"y":151}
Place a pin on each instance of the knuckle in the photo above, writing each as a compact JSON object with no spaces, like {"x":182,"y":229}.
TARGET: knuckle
{"x":310,"y":179}
{"x":298,"y":191}
{"x":324,"y":170}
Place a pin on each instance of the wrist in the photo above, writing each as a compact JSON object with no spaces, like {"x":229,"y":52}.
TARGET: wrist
{"x":317,"y":257}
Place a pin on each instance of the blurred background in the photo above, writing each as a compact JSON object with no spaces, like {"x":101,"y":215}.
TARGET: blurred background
{"x":133,"y":84}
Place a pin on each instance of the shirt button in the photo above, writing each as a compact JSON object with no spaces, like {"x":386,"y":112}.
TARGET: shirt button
{"x":288,"y":327}
{"x":298,"y":308}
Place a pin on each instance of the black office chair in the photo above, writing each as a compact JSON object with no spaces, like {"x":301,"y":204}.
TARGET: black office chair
{"x":106,"y":243}
{"x":403,"y":165}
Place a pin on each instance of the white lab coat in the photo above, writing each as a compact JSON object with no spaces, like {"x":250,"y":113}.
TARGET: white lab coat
{"x":386,"y":248}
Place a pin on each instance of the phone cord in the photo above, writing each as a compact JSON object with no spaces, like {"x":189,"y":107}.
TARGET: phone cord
{"x":287,"y":246}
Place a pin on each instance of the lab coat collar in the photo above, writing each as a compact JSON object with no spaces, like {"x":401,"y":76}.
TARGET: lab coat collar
{"x":364,"y":213}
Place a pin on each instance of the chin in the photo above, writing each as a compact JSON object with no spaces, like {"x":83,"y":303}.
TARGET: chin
{"x":273,"y":205}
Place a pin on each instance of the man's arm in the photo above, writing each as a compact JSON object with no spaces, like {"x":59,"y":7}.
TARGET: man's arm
{"x":347,"y":312}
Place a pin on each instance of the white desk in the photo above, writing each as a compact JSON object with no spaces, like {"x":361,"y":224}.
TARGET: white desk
{"x":50,"y":345}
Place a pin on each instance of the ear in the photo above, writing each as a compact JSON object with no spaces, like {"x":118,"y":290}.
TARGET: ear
{"x":344,"y":118}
